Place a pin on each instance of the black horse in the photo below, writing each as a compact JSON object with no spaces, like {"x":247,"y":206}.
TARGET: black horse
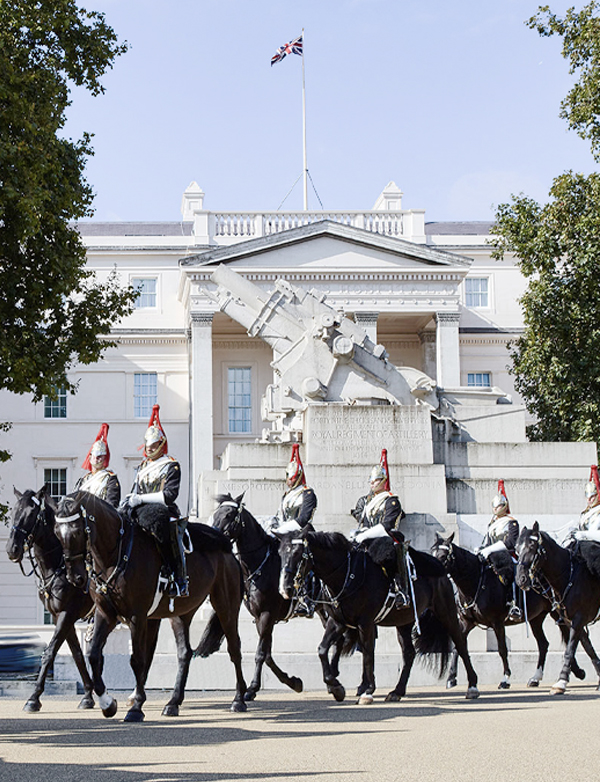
{"x":259,"y":555}
{"x":121,"y":564}
{"x":564,"y":577}
{"x":33,"y":529}
{"x":482,"y":601}
{"x":360,"y":597}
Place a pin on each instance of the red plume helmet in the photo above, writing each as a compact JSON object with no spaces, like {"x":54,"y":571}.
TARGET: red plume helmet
{"x":384,"y":464}
{"x":595,"y":477}
{"x":295,"y":470}
{"x":502,"y":493}
{"x":159,"y":433}
{"x":101,"y":437}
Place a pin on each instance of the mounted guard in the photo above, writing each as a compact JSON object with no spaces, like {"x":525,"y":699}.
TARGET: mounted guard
{"x":156,"y":486}
{"x":498,"y":547}
{"x":589,"y":519}
{"x":296,"y":511}
{"x":98,"y":479}
{"x":379,"y":514}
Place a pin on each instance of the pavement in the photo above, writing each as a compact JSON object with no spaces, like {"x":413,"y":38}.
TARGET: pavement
{"x":432,"y":735}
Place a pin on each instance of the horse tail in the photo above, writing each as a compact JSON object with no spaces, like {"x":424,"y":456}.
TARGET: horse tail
{"x":350,"y":643}
{"x":211,"y":638}
{"x":433,"y":643}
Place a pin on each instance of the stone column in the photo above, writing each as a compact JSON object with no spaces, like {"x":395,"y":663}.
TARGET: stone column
{"x":447,"y":350}
{"x":201,"y":402}
{"x":428,"y":353}
{"x":368,"y":321}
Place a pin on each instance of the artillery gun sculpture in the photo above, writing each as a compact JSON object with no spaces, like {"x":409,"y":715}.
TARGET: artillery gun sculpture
{"x":319,"y":355}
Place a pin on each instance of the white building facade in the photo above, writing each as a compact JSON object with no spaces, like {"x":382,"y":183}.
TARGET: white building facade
{"x":429,"y":292}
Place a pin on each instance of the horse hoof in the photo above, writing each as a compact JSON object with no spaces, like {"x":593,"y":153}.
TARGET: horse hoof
{"x":338,"y":692}
{"x":393,"y":697}
{"x":87,"y":702}
{"x":557,"y":689}
{"x":171,"y":710}
{"x":365,"y":700}
{"x":451,"y":683}
{"x":504,"y":686}
{"x":134,"y":715}
{"x":472,"y":693}
{"x":533,"y":683}
{"x":296,"y":684}
{"x":111,"y":710}
{"x":32,"y":706}
{"x":249,"y":695}
{"x":238,"y":706}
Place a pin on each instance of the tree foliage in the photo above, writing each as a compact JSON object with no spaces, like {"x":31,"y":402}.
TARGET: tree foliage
{"x":556,"y":361}
{"x":53,"y":311}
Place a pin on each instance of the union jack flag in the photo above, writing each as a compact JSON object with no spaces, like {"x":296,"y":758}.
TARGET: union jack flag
{"x":293,"y":47}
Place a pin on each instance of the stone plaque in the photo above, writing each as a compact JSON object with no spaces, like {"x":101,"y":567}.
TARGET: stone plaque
{"x":355,"y":434}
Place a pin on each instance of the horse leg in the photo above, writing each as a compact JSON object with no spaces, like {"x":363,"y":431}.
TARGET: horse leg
{"x":452,"y":678}
{"x":332,"y":635}
{"x":140,"y":664}
{"x":226,"y":599}
{"x":60,"y":633}
{"x":87,"y":702}
{"x":102,"y":628}
{"x":503,"y":652}
{"x":367,"y":644}
{"x":559,"y":687}
{"x":542,"y":643}
{"x":444,"y":608}
{"x":576,"y":670}
{"x":404,"y":634}
{"x":181,"y":630}
{"x":591,"y":652}
{"x":265,"y":625}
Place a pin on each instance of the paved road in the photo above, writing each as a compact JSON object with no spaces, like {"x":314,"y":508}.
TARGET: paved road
{"x":431,"y":736}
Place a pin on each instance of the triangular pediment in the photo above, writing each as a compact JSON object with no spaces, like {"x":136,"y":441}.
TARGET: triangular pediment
{"x":327,"y":244}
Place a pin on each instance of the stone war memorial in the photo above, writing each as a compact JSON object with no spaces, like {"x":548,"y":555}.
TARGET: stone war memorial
{"x":335,"y":392}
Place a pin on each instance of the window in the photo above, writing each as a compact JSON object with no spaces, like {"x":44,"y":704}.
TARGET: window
{"x":147,"y":291}
{"x":476,"y":292}
{"x":56,"y":478}
{"x":239,"y":382}
{"x":56,"y":408}
{"x":144,"y":393}
{"x":479,"y":380}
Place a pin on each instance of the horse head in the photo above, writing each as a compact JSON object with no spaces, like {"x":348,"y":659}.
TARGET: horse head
{"x":294,"y":555}
{"x":72,"y":530}
{"x":28,"y":518}
{"x":530,"y":550}
{"x":227,"y":518}
{"x":442,"y":549}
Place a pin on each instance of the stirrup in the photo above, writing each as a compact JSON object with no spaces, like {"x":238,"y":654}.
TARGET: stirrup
{"x":401,"y":600}
{"x":303,"y":609}
{"x":514,"y":613}
{"x":178,"y":589}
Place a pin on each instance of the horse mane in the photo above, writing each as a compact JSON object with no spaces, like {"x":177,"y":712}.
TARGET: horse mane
{"x":331,"y":541}
{"x":90,"y":502}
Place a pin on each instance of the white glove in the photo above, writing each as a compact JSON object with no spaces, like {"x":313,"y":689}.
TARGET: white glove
{"x":154,"y":498}
{"x":353,"y":534}
{"x":287,"y":526}
{"x":378,"y":531}
{"x":133,"y":500}
{"x":497,"y":546}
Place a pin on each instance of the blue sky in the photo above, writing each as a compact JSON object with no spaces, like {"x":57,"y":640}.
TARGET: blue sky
{"x":457,"y":102}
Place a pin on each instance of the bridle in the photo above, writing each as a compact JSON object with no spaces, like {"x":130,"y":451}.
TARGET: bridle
{"x":28,"y":537}
{"x":449,"y":547}
{"x":536,"y":580}
{"x":101,"y":583}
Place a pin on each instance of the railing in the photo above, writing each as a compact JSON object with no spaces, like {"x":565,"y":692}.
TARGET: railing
{"x":236,"y":226}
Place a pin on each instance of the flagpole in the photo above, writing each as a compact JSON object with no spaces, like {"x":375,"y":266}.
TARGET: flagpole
{"x":305,"y":169}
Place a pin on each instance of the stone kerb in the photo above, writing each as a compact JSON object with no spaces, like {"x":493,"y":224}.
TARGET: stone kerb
{"x":346,"y":435}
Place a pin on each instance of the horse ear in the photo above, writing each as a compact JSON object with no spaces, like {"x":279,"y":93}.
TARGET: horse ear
{"x":438,"y":537}
{"x":451,"y":538}
{"x":240,"y":498}
{"x":18,"y":494}
{"x":536,"y":527}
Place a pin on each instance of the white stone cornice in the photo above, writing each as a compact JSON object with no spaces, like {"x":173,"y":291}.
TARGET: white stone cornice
{"x":204,"y":276}
{"x":447,"y":319}
{"x":252,"y":343}
{"x":202,"y":319}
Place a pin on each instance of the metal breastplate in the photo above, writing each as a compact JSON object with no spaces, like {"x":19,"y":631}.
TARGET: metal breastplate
{"x":498,"y":528}
{"x":152,"y":475}
{"x":374,"y":511}
{"x":292,"y":503}
{"x":96,"y":483}
{"x":590,"y":519}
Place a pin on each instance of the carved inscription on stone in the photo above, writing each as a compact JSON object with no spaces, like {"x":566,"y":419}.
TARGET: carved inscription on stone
{"x":347,"y":435}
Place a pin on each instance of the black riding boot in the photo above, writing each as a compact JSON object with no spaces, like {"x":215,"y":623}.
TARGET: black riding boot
{"x":176,"y":530}
{"x":401,"y":577}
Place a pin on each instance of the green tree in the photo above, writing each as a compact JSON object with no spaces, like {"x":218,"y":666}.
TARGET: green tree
{"x":556,"y":361}
{"x":53,"y":312}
